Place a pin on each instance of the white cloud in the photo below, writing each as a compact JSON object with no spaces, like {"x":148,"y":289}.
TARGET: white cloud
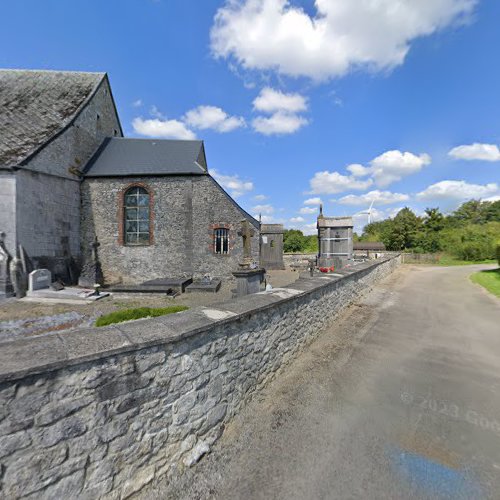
{"x":392,"y":166}
{"x":476,"y":151}
{"x":137,"y":103}
{"x":165,"y":129}
{"x":232,"y":183}
{"x":212,"y":117}
{"x":260,"y":197}
{"x":358,"y":170}
{"x":334,"y":182}
{"x":279,"y":123}
{"x":308,"y":210}
{"x":341,"y":36}
{"x":378,"y":198}
{"x":458,"y":191}
{"x":311,"y":228}
{"x":270,"y":101}
{"x":297,"y":219}
{"x":263,"y":209}
{"x":313,"y":201}
{"x":389,"y":167}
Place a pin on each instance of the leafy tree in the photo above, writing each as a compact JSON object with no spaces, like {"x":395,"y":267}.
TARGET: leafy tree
{"x":294,"y":241}
{"x":402,"y":233}
{"x":472,"y":211}
{"x":434,"y":220}
{"x":492,"y":211}
{"x":311,"y":243}
{"x":428,"y":239}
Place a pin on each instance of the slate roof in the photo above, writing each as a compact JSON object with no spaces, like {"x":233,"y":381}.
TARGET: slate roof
{"x":36,"y":106}
{"x":122,"y":157}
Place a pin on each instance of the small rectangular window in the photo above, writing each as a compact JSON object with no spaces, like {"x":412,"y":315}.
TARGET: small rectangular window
{"x":221,"y":237}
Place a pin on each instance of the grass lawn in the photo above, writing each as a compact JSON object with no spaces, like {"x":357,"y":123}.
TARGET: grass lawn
{"x":489,"y":279}
{"x":137,"y":313}
{"x":448,"y":260}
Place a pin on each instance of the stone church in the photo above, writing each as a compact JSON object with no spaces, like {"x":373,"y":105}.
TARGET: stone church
{"x":69,"y":178}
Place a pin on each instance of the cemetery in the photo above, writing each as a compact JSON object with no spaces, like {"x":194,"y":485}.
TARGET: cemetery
{"x":140,"y":311}
{"x":258,"y":259}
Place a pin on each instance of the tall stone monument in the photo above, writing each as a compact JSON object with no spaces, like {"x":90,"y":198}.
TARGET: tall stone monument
{"x":92,"y":271}
{"x":6,"y":287}
{"x":271,"y":247}
{"x":334,"y":240}
{"x":249,"y":276}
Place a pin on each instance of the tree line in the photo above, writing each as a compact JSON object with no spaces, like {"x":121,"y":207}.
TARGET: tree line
{"x":471,"y":232}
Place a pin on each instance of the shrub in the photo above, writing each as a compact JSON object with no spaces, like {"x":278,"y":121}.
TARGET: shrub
{"x":137,"y":313}
{"x":498,"y":253}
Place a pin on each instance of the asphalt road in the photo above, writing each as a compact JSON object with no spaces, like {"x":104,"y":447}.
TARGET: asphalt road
{"x":400,"y":399}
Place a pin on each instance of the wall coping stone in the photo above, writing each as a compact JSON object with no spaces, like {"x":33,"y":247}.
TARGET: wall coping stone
{"x":45,"y":353}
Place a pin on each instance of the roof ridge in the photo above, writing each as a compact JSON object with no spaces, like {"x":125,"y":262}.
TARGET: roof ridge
{"x":32,"y":70}
{"x":155,"y":139}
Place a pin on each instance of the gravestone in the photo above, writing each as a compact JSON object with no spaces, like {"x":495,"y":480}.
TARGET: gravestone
{"x":18,"y":277}
{"x":39,"y":279}
{"x":6,"y":288}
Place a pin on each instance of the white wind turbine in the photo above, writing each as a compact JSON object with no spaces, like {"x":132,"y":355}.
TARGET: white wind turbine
{"x":369,"y":212}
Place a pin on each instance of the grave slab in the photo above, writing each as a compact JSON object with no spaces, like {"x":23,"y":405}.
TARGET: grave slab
{"x":69,"y":293}
{"x":160,"y":285}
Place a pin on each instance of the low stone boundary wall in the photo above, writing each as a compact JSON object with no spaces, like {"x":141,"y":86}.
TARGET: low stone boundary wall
{"x":420,"y":258}
{"x":102,"y":412}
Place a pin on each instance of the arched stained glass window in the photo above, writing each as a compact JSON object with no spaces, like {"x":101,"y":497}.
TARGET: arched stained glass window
{"x":137,"y":216}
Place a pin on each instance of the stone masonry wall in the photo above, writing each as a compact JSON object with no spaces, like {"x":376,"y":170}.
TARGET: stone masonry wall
{"x":102,"y":412}
{"x":8,"y":209}
{"x":48,"y":197}
{"x":185,"y":211}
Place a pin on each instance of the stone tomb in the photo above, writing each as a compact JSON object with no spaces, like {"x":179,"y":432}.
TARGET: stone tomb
{"x":271,"y":246}
{"x":159,"y":285}
{"x":39,"y":289}
{"x":212,"y":286}
{"x":335,"y":241}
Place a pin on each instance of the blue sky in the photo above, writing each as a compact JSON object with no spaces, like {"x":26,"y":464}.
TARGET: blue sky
{"x":395,"y":101}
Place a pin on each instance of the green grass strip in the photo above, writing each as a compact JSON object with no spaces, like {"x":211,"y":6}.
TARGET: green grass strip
{"x":489,"y":279}
{"x":448,"y":260}
{"x":137,"y":313}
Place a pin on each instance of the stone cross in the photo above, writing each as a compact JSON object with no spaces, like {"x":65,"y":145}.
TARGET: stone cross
{"x":246,"y":233}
